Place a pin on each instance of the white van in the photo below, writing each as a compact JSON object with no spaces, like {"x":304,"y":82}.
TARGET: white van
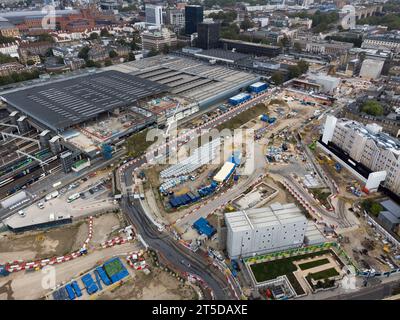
{"x":73,"y":197}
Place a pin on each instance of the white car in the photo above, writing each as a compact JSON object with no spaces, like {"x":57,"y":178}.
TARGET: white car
{"x":40,"y":205}
{"x":22,"y":213}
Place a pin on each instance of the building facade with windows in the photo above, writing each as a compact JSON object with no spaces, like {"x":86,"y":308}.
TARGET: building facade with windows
{"x":367,"y":145}
{"x":154,"y":14}
{"x":193,"y":16}
{"x":261,"y":230}
{"x":158,"y":40}
{"x":208,"y":35}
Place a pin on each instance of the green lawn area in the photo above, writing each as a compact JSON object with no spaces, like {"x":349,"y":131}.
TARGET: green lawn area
{"x":137,"y":144}
{"x":271,"y":270}
{"x":324,"y":274}
{"x":264,"y":271}
{"x":312,"y":264}
{"x":244,"y":117}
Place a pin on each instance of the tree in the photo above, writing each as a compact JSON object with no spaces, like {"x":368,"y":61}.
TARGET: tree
{"x":226,"y":17}
{"x":284,"y":42}
{"x":30,"y":62}
{"x":372,"y":107}
{"x":303,"y":66}
{"x":104,"y":33}
{"x":6,"y":39}
{"x":49,"y":52}
{"x":294,"y":72}
{"x":297,"y":47}
{"x":131,"y":56}
{"x":84,"y":53}
{"x":94,"y":36}
{"x":17,"y":77}
{"x":92,"y":64}
{"x":108,"y":62}
{"x":5,"y":58}
{"x":134,"y":46}
{"x":60,"y":60}
{"x":166,"y":49}
{"x":113,"y":54}
{"x":246,"y":24}
{"x":376,"y":209}
{"x":277,"y":78}
{"x":153,"y":52}
{"x":45,"y":37}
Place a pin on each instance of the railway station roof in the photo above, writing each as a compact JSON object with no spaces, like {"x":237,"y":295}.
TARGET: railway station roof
{"x":62,"y":104}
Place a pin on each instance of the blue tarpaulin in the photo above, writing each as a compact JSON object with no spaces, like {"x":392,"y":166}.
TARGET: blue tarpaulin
{"x":203,"y":227}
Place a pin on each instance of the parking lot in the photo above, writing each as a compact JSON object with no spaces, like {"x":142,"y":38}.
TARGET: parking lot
{"x":94,"y":196}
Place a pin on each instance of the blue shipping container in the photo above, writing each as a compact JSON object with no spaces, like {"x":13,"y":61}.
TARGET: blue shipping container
{"x":240,"y":98}
{"x":119,"y":276}
{"x":103,"y":276}
{"x":90,"y":286}
{"x":76,"y":288}
{"x":203,"y":227}
{"x":70,"y":291}
{"x":258,"y":87}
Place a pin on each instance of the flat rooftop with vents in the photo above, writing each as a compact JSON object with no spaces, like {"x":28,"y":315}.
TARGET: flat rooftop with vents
{"x":63,"y":104}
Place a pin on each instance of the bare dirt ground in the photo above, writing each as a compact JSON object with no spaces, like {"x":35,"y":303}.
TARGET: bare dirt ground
{"x":57,"y":241}
{"x":43,"y":244}
{"x":283,"y":196}
{"x":356,"y":241}
{"x":155,"y":286}
{"x":105,"y":227}
{"x":29,"y":284}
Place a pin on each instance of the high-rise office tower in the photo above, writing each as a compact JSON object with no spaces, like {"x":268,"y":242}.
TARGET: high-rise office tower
{"x":193,"y":16}
{"x":208,"y":35}
{"x":154,"y":14}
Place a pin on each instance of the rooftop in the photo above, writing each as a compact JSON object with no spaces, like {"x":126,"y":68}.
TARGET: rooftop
{"x":62,"y":104}
{"x":189,"y":78}
{"x":381,"y":139}
{"x":274,"y":215}
{"x":222,"y":54}
{"x":390,"y":217}
{"x":392,"y":207}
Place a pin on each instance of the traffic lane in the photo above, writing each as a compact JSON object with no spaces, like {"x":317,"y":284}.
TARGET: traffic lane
{"x":375,"y":293}
{"x":172,"y":252}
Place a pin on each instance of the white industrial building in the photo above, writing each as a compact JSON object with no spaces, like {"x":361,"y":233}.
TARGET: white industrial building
{"x":260,"y":230}
{"x":224,"y":172}
{"x":371,"y":68}
{"x":328,"y":84}
{"x":369,"y":146}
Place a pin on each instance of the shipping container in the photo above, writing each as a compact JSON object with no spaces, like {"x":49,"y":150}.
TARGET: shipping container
{"x":89,"y":283}
{"x":258,"y":87}
{"x":70,"y":291}
{"x":239,"y":98}
{"x":203,"y":227}
{"x":103,"y":276}
{"x":264,"y":117}
{"x":115,"y":270}
{"x":76,"y":288}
